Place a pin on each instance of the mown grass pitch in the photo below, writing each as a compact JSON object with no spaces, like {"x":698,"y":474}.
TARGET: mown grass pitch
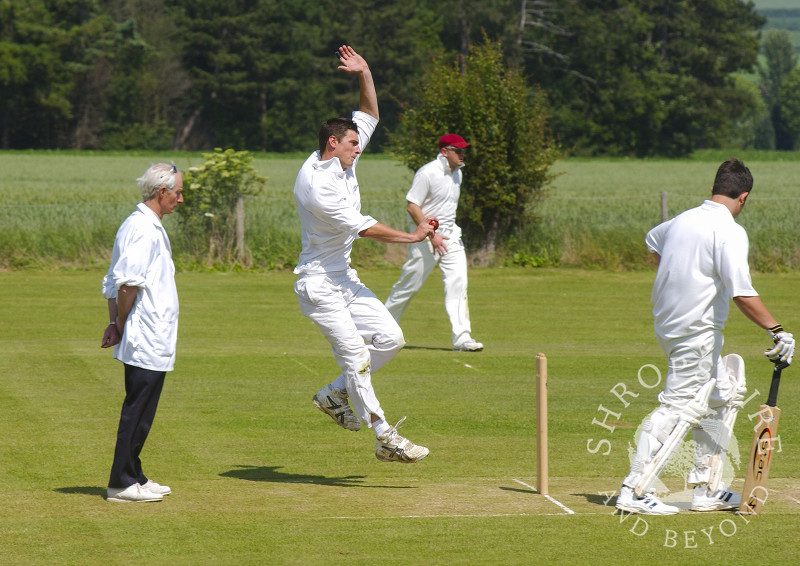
{"x":259,"y":476}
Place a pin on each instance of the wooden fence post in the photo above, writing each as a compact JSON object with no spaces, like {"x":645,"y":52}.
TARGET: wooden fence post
{"x":240,"y":255}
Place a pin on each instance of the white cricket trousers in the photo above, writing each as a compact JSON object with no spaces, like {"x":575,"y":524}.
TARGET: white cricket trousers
{"x":691,"y":362}
{"x":453,"y":265}
{"x":361,"y":332}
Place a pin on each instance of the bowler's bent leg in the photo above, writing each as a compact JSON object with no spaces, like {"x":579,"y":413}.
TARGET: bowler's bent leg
{"x":325,"y":301}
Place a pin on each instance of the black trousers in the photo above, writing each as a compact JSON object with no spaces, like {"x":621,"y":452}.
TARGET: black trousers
{"x":142,"y":391}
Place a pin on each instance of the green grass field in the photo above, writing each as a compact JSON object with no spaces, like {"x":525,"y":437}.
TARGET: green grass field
{"x":62,"y":209}
{"x":259,"y":476}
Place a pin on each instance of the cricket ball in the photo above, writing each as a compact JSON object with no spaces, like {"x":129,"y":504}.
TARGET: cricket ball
{"x":435,"y":224}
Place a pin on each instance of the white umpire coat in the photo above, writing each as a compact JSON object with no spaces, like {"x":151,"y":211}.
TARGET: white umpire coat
{"x":142,"y":257}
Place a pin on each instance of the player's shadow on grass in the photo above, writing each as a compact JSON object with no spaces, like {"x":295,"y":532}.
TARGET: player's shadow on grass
{"x":519,"y":490}
{"x":271,"y":474}
{"x":412,"y":347}
{"x":598,"y":499}
{"x":82,"y":490}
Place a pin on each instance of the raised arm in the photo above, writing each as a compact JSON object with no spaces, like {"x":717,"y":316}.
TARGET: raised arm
{"x":352,"y":62}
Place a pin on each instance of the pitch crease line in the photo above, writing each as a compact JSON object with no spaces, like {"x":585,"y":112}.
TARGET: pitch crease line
{"x":566,"y":509}
{"x":453,"y":516}
{"x":302,"y":365}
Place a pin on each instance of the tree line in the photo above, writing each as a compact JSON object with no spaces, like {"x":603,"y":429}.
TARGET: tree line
{"x":620,"y":77}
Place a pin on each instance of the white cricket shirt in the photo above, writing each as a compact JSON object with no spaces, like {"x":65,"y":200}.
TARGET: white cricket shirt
{"x":142,"y":258}
{"x":703,"y":265}
{"x":329,"y":206}
{"x":435,"y":189}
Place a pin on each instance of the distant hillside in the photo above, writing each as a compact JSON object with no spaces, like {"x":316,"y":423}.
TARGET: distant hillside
{"x":775,"y":4}
{"x":782,"y":14}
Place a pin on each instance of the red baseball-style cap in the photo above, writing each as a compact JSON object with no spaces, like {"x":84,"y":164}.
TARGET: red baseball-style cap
{"x":452,"y":139}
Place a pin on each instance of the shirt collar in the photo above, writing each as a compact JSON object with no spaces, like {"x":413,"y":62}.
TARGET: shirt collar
{"x":333,"y":164}
{"x":718,"y":206}
{"x":149,"y":213}
{"x":446,"y":164}
{"x":713,"y":204}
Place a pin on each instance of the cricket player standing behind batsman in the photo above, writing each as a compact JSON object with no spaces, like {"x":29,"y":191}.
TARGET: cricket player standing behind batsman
{"x":702,"y":256}
{"x":361,"y":332}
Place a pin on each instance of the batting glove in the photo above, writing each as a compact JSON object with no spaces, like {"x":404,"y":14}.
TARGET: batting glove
{"x":784,"y":345}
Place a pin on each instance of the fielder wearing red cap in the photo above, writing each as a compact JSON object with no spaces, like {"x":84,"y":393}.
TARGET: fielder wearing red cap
{"x":434,"y":192}
{"x":452,"y":139}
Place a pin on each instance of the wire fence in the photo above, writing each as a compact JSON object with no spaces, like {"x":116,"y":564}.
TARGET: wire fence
{"x":569,"y":229}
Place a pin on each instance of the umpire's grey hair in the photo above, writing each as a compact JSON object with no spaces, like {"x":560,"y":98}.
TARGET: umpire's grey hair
{"x":157,"y":176}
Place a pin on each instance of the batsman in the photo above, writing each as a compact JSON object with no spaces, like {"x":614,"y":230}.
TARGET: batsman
{"x":702,"y":265}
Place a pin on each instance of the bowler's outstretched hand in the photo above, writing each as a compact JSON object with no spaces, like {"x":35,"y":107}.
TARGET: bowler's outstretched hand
{"x":351,"y":62}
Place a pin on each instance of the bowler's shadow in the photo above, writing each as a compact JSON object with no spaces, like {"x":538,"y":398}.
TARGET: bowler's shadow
{"x":82,"y":490}
{"x":271,"y":474}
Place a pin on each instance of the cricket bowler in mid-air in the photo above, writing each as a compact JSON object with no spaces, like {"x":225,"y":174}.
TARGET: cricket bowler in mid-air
{"x":702,"y":265}
{"x":362,"y":334}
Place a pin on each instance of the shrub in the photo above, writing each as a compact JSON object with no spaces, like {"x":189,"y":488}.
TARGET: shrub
{"x":505,"y":123}
{"x":212,"y":194}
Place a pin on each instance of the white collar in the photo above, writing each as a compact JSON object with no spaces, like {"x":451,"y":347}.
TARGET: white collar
{"x":446,"y":164}
{"x":333,"y":164}
{"x":150,"y":213}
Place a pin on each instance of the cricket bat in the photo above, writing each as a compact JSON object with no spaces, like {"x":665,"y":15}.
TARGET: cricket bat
{"x":755,"y":491}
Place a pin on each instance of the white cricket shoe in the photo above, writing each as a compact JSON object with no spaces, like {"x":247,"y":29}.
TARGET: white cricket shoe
{"x":154,"y":487}
{"x":391,"y":447}
{"x":334,"y":403}
{"x":704,"y":500}
{"x":469,"y":346}
{"x":647,"y":505}
{"x":132,"y":494}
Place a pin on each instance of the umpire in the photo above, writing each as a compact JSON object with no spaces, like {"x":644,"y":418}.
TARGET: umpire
{"x":143,"y":328}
